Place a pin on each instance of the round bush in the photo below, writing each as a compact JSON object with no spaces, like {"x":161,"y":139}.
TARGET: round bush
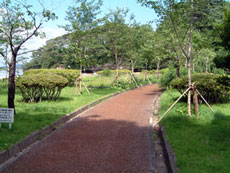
{"x":70,"y":75}
{"x":41,"y":86}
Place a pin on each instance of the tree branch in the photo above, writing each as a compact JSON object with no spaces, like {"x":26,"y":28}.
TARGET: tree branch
{"x":29,"y":51}
{"x":5,"y":58}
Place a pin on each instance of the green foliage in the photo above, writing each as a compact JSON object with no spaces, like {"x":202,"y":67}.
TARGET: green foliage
{"x":70,"y":75}
{"x":41,"y":86}
{"x":212,"y":87}
{"x":167,"y":77}
{"x":106,"y":72}
{"x":225,"y":32}
{"x":113,"y":72}
{"x":200,"y":144}
{"x":218,"y":71}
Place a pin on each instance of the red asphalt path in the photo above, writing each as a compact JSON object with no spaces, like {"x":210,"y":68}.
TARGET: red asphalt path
{"x":114,"y":136}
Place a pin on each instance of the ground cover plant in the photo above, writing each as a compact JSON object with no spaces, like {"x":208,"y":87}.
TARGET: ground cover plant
{"x":200,"y":144}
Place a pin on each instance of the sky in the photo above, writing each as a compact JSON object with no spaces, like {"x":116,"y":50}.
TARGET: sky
{"x":143,"y":15}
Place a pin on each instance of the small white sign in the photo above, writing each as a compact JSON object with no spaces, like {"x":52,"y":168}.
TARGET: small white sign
{"x":6,"y":116}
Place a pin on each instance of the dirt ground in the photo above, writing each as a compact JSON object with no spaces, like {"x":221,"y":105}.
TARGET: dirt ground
{"x":114,"y":136}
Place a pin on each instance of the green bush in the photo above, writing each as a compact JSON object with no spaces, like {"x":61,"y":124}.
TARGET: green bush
{"x":106,"y":72}
{"x":167,"y":77}
{"x":70,"y":75}
{"x":36,"y":87}
{"x":214,"y":88}
{"x":113,"y":72}
{"x":218,"y":71}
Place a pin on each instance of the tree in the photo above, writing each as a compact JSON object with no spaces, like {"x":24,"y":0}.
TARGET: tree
{"x":82,"y":18}
{"x":225,"y":31}
{"x":18,"y":24}
{"x":136,"y":37}
{"x":114,"y":37}
{"x":184,"y":17}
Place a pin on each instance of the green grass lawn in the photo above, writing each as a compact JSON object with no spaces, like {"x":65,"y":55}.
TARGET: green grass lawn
{"x":33,"y":116}
{"x":201,"y":145}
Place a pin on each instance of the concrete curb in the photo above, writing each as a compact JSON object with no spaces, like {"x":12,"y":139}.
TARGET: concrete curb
{"x":39,"y":134}
{"x":171,"y":157}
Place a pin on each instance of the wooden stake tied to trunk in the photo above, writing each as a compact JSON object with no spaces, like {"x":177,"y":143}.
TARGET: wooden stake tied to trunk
{"x":195,"y":99}
{"x":78,"y":83}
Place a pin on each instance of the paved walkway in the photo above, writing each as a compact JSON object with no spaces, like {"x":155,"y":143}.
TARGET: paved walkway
{"x":114,"y":136}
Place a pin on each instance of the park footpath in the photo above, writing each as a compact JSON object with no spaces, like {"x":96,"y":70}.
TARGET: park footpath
{"x":114,"y":136}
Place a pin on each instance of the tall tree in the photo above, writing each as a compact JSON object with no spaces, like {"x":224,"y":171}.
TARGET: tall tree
{"x":82,"y":18}
{"x":184,"y":18}
{"x":18,"y":24}
{"x":115,"y":28}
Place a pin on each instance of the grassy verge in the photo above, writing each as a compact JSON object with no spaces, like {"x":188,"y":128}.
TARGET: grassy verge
{"x":200,"y":144}
{"x":31,"y":117}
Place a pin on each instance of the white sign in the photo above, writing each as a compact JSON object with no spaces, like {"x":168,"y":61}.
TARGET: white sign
{"x":6,"y":116}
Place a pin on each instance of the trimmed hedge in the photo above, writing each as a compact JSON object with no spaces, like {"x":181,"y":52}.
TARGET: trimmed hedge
{"x":70,"y":75}
{"x":113,"y":72}
{"x":36,"y":87}
{"x":214,"y":88}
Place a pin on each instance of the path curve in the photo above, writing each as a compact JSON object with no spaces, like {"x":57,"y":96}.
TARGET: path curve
{"x":114,"y":136}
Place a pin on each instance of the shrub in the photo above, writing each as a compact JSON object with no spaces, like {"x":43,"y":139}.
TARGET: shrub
{"x":113,"y":72}
{"x":218,"y":71}
{"x":167,"y":77}
{"x":36,"y":87}
{"x":70,"y":75}
{"x":214,"y":88}
{"x":106,"y":72}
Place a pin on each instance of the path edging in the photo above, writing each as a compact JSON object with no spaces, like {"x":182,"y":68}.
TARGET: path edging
{"x":167,"y":149}
{"x":170,"y":153}
{"x":15,"y":149}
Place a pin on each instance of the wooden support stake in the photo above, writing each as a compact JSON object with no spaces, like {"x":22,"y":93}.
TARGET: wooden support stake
{"x":77,"y":91}
{"x":132,"y":77}
{"x":205,"y":101}
{"x":171,"y":106}
{"x":195,"y":99}
{"x":148,"y":79}
{"x":85,"y":87}
{"x":80,"y":90}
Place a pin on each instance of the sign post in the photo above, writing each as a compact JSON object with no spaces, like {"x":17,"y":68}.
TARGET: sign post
{"x":7,"y":116}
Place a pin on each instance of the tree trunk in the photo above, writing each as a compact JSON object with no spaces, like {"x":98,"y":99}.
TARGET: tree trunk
{"x":189,"y":84}
{"x":132,"y":68}
{"x":189,"y":61}
{"x":80,"y":78}
{"x":11,"y":83}
{"x":206,"y":65}
{"x":178,"y":67}
{"x":132,"y":71}
{"x":117,"y":65}
{"x":158,"y":67}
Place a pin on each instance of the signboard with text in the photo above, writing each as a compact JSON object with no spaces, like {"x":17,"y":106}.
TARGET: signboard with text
{"x":6,"y":116}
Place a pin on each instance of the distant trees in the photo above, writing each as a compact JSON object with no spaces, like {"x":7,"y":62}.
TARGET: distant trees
{"x":18,"y":24}
{"x":109,"y":40}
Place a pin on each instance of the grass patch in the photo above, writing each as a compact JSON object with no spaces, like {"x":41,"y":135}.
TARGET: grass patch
{"x":201,"y":144}
{"x":33,"y":116}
